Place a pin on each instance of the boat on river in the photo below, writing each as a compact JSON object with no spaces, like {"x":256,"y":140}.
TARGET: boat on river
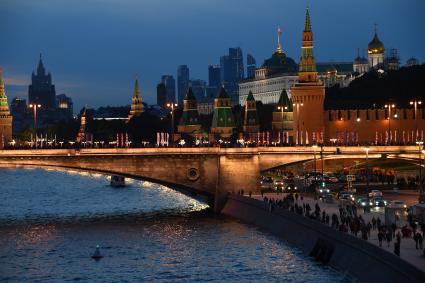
{"x":117,"y":181}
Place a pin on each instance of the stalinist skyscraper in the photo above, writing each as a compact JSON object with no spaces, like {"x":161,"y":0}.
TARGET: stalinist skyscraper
{"x":308,"y":94}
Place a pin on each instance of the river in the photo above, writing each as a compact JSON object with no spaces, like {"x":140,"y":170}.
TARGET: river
{"x":52,"y":220}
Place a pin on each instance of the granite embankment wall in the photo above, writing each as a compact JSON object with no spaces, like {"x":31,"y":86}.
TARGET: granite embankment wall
{"x":357,"y":258}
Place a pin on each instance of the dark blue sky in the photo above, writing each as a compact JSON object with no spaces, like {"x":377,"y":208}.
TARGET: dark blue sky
{"x":94,"y":49}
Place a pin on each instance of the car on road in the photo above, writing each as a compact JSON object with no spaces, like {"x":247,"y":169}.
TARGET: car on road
{"x":375,"y":193}
{"x":346,"y":196}
{"x":266,"y":182}
{"x":364,"y":202}
{"x":327,"y":197}
{"x":333,"y":179}
{"x":291,"y":188}
{"x":321,"y":191}
{"x":278,"y":184}
{"x":397,"y":204}
{"x":379,"y":201}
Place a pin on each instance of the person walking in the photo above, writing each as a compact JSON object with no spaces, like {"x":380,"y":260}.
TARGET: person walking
{"x":380,"y":237}
{"x":388,"y":237}
{"x":397,"y":248}
{"x":420,"y":240}
{"x":416,"y":239}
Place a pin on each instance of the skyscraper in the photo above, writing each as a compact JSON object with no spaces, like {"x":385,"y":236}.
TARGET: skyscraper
{"x":214,"y":73}
{"x":161,"y":95}
{"x":232,"y":71}
{"x":42,"y":91}
{"x":251,"y":66}
{"x":182,"y":82}
{"x":198,"y":88}
{"x":170,"y":86}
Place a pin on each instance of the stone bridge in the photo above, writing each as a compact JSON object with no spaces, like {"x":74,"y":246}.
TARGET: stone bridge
{"x":212,"y":172}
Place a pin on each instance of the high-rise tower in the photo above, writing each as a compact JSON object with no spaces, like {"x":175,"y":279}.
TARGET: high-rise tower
{"x":42,"y":91}
{"x":182,"y":82}
{"x":5,"y":117}
{"x":308,"y":94}
{"x":137,"y":106}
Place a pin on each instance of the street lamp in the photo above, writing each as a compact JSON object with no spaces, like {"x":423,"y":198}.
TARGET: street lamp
{"x":314,"y":146}
{"x":421,"y":198}
{"x":34,"y":107}
{"x":389,"y":106}
{"x":172,"y":106}
{"x":281,"y":108}
{"x":367,"y":175}
{"x":415,"y":104}
{"x":420,"y":149}
{"x":298,"y":105}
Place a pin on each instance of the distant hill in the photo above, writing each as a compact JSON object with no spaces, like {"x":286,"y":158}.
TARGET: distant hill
{"x":375,"y":90}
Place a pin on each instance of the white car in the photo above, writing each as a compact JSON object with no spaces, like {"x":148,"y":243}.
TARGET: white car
{"x":375,"y":193}
{"x":397,"y":204}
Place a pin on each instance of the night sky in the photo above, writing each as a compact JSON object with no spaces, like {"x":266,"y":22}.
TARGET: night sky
{"x":94,"y":49}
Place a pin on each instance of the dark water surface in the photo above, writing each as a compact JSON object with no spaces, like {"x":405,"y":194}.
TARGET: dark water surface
{"x":51,"y":222}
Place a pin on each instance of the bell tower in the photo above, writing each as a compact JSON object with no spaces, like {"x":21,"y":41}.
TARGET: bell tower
{"x":308,"y":94}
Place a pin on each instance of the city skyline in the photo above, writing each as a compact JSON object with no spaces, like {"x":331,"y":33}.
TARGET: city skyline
{"x":106,"y":77}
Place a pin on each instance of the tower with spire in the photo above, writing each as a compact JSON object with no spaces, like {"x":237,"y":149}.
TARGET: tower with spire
{"x":251,"y":124}
{"x":137,"y":107}
{"x":41,"y":90}
{"x":81,"y":136}
{"x":223,"y":122}
{"x":5,"y":117}
{"x":189,"y":123}
{"x":308,"y":94}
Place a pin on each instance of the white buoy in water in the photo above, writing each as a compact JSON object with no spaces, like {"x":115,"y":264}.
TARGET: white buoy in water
{"x":97,"y":255}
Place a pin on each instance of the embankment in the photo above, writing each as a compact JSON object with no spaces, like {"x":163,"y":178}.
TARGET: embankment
{"x":358,"y":258}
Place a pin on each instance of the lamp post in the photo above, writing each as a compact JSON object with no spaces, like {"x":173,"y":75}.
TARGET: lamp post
{"x":34,"y":107}
{"x":421,"y":197}
{"x":389,"y":106}
{"x":321,"y":157}
{"x":298,"y":105}
{"x":315,"y":171}
{"x":172,"y":106}
{"x":367,"y":176}
{"x":420,"y":149}
{"x":415,"y":104}
{"x":281,"y":108}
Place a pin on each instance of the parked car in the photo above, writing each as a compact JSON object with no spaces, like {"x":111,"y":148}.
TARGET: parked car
{"x":379,"y":201}
{"x":375,"y":193}
{"x":333,"y":179}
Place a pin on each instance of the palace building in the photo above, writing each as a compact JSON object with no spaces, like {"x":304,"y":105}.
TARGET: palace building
{"x":5,"y":117}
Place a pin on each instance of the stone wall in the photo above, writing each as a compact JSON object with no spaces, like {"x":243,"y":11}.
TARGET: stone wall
{"x":355,"y":257}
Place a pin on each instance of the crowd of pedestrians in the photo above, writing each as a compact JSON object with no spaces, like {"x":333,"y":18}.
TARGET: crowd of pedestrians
{"x":347,"y":220}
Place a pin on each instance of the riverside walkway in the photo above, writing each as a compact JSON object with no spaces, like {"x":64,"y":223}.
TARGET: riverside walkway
{"x":408,"y":251}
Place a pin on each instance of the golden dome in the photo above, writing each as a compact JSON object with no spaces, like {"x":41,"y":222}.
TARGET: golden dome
{"x":375,"y":46}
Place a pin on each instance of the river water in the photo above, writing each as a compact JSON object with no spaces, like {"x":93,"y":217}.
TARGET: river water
{"x":51,"y":222}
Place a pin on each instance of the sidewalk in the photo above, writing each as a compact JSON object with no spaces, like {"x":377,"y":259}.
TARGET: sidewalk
{"x":408,"y":251}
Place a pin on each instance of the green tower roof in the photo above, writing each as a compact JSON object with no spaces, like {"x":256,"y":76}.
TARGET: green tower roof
{"x":222,"y":93}
{"x":307,"y":24}
{"x":284,"y":101}
{"x":250,"y":96}
{"x":190,"y":95}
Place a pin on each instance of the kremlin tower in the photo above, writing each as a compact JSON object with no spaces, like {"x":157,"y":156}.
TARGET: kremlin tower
{"x":189,"y":122}
{"x":251,"y":123}
{"x":137,"y":106}
{"x":5,"y":117}
{"x":308,"y":94}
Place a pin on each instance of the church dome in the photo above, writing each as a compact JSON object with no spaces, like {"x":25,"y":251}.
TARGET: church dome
{"x":375,"y":46}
